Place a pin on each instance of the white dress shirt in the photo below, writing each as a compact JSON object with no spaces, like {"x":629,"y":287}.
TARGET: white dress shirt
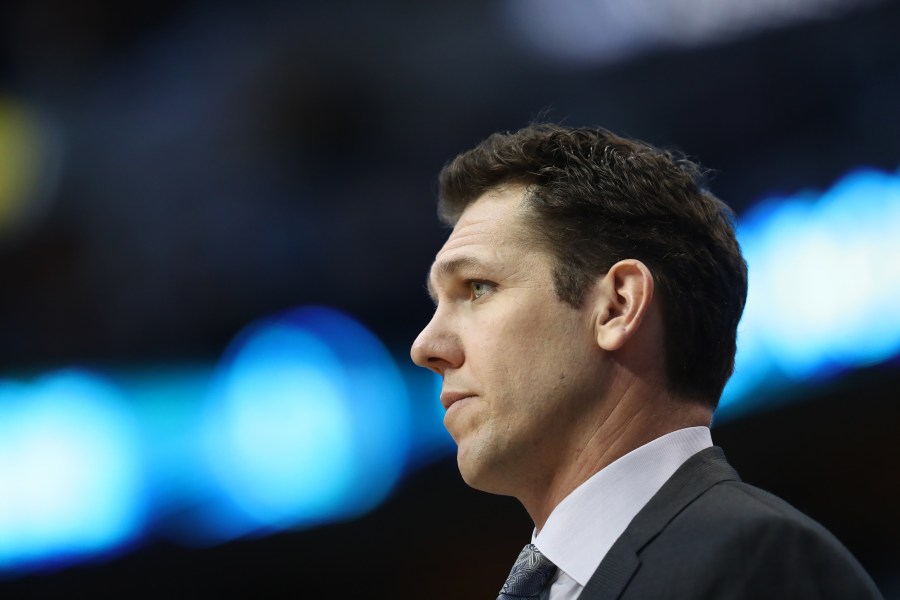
{"x":584,"y":526}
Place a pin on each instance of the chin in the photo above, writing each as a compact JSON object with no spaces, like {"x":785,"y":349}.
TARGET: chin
{"x":480,"y":476}
{"x":469,"y":469}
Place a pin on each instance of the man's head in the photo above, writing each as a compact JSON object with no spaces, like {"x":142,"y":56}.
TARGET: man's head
{"x":523,"y":373}
{"x":593,"y":199}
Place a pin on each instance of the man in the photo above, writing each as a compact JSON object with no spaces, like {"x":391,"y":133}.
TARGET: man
{"x":587,"y":303}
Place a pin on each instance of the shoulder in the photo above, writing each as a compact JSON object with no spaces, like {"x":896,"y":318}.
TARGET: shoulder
{"x":736,"y":506}
{"x":735,"y":536}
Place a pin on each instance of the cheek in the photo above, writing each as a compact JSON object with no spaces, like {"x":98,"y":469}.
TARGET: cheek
{"x":527,"y":345}
{"x":556,"y":361}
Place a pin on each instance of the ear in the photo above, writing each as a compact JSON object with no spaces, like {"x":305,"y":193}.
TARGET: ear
{"x":624,"y":297}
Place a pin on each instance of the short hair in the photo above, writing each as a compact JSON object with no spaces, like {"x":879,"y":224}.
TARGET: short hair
{"x":596,"y":198}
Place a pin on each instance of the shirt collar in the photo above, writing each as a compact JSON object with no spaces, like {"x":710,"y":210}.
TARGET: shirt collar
{"x":584,"y":526}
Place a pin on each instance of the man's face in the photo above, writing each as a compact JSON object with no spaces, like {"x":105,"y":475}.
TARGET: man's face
{"x":519,"y":366}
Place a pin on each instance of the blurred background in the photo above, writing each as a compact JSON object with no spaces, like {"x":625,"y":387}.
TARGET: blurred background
{"x":215,"y":224}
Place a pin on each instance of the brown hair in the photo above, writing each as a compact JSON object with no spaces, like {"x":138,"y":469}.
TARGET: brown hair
{"x":596,"y":198}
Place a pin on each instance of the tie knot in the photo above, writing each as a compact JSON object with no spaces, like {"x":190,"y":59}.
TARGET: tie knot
{"x":529,"y":576}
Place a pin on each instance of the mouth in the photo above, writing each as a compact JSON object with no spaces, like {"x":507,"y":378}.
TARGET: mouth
{"x":448,"y":399}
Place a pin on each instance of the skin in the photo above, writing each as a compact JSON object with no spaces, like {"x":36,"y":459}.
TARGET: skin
{"x":541,"y":395}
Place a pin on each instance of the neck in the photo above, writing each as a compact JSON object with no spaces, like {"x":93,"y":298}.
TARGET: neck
{"x":628,"y":424}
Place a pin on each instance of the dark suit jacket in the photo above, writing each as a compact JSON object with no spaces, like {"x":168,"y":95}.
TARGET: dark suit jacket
{"x":706,"y":534}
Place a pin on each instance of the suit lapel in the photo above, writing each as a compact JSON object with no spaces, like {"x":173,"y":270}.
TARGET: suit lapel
{"x":700,"y":472}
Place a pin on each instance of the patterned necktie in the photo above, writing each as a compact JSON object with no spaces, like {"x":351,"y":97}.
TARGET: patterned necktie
{"x":529,"y":576}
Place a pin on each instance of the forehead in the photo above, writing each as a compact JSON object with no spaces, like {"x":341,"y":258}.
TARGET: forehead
{"x":494,"y":219}
{"x":489,"y":238}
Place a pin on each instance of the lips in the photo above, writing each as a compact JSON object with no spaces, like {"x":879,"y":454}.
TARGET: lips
{"x":448,"y":399}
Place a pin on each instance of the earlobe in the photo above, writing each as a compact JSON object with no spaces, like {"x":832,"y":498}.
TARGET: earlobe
{"x":623,"y":298}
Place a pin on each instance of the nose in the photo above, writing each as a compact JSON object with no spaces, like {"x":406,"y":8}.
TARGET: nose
{"x":437,"y":347}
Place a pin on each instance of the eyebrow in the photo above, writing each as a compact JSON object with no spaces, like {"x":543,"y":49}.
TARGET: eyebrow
{"x":446,"y":268}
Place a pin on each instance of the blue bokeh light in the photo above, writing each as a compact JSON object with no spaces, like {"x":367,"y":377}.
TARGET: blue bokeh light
{"x":309,"y":423}
{"x":70,"y":470}
{"x":824,"y":283}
